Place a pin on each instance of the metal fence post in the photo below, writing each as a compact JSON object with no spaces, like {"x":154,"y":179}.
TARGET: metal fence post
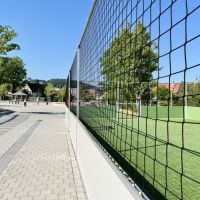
{"x":122,"y":50}
{"x":185,"y":100}
{"x":117,"y":102}
{"x":78,"y":98}
{"x":68,"y":100}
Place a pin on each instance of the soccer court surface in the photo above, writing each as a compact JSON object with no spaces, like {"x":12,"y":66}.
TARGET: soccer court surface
{"x":165,"y":151}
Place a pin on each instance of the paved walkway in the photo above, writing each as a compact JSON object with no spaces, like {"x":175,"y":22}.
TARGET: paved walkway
{"x":36,"y":156}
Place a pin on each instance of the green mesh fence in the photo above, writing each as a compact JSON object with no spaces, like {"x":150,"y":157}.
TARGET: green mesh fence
{"x":135,"y":85}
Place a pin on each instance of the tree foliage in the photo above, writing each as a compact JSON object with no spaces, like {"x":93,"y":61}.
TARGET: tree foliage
{"x":193,"y":94}
{"x":12,"y":70}
{"x":3,"y":90}
{"x":129,"y":60}
{"x":57,"y":82}
{"x":7,"y":34}
{"x":48,"y":90}
{"x":62,"y":93}
{"x":162,"y":93}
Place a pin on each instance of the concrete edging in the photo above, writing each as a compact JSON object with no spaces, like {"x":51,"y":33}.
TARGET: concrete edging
{"x":100,"y":177}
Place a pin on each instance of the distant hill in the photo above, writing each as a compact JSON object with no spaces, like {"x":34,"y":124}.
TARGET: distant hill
{"x":59,"y":83}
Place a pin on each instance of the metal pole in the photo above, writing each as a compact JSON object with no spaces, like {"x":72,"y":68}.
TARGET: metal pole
{"x":78,"y":83}
{"x":78,"y":97}
{"x":140,"y":102}
{"x":68,"y":100}
{"x":171,"y":94}
{"x":186,"y":93}
{"x":117,"y":102}
{"x":149,"y":94}
{"x":69,"y":92}
{"x":140,"y":106}
{"x":171,"y":103}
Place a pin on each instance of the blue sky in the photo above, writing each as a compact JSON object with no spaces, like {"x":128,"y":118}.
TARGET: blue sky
{"x":48,"y":33}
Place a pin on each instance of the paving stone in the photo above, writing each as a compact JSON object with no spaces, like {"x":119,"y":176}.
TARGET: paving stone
{"x":45,"y":167}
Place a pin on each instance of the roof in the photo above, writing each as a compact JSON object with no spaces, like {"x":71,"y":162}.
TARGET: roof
{"x":174,"y":87}
{"x":35,"y":87}
{"x":19,"y":94}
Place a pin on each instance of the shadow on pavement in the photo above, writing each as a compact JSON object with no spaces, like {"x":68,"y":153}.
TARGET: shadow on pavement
{"x":45,"y":113}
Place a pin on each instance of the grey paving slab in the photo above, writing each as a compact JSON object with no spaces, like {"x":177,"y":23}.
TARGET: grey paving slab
{"x":6,"y":118}
{"x":9,"y":155}
{"x":44,"y":167}
{"x":9,"y":122}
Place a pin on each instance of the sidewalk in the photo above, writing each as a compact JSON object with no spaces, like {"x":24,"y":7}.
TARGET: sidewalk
{"x":36,"y":157}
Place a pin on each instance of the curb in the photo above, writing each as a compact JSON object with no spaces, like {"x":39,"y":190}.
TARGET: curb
{"x":6,"y":112}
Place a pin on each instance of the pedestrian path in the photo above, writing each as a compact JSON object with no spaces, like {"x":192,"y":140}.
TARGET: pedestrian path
{"x":37,"y":157}
{"x":10,"y":121}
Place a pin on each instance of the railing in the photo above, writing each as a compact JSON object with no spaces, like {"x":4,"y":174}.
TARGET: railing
{"x":135,"y":85}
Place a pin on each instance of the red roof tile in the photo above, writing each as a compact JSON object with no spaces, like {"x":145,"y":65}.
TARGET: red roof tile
{"x":174,"y":87}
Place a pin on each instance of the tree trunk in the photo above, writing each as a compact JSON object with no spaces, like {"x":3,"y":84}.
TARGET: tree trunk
{"x":14,"y":87}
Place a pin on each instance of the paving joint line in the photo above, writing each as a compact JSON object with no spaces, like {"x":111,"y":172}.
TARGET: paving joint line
{"x":8,"y":156}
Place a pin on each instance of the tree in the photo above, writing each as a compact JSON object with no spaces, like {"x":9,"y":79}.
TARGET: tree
{"x":87,"y":96}
{"x":59,"y":83}
{"x":3,"y":90}
{"x":162,"y":94}
{"x":62,"y":93}
{"x":192,"y":92}
{"x":7,"y":34}
{"x":129,"y":61}
{"x":13,"y":72}
{"x":48,"y":90}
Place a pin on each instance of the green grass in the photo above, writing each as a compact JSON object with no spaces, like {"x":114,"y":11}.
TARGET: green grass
{"x":150,"y":145}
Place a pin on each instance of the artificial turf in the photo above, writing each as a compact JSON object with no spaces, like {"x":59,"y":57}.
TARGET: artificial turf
{"x":165,"y":149}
